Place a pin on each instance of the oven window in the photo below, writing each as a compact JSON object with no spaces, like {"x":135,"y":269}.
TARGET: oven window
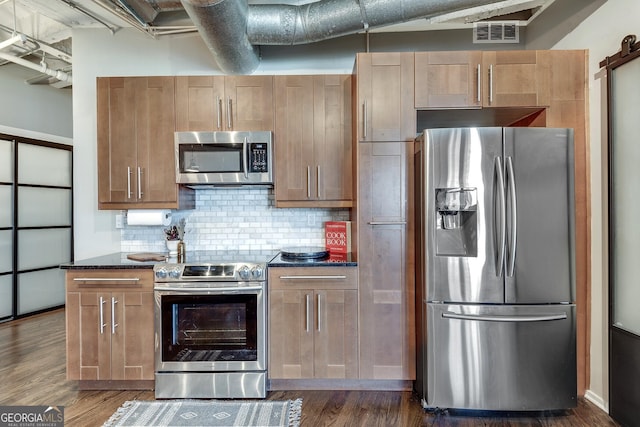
{"x":198,"y":158}
{"x":200,"y":328}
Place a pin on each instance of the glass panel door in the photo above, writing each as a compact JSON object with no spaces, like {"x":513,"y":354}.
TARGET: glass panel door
{"x":625,"y":175}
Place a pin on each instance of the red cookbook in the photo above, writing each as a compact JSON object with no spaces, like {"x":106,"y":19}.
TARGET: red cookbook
{"x":337,"y":236}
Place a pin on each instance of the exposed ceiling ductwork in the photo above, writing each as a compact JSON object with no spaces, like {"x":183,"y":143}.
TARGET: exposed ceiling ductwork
{"x":232,"y":28}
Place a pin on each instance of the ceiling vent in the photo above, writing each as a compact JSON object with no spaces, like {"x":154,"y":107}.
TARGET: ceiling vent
{"x":496,"y":32}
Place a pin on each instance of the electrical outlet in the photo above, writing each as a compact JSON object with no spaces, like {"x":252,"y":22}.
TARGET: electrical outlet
{"x":119,"y":221}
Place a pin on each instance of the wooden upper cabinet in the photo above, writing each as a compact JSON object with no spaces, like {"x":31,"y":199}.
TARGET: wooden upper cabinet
{"x":515,"y":79}
{"x":314,"y":155}
{"x":385,"y":97}
{"x":448,"y":79}
{"x":136,"y":119}
{"x":476,"y":79}
{"x":218,"y":103}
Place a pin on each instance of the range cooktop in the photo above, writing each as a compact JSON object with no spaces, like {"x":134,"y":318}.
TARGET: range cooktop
{"x":225,"y":256}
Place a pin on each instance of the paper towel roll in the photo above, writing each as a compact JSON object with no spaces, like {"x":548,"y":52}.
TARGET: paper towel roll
{"x":149,"y":217}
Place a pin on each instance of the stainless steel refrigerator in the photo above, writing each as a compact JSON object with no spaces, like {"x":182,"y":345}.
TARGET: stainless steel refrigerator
{"x":495,"y":269}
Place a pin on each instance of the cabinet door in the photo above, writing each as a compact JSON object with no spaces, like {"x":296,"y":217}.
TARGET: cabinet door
{"x":386,"y":312}
{"x":515,"y":79}
{"x":136,"y":121}
{"x":132,"y":323}
{"x":88,"y":316}
{"x":294,"y":134}
{"x":332,"y":138}
{"x":291,"y":334}
{"x":249,"y":103}
{"x":117,"y":148}
{"x":155,"y":116}
{"x":200,"y":103}
{"x":313,"y":129}
{"x":448,"y":79}
{"x":336,"y":334}
{"x":385,"y":105}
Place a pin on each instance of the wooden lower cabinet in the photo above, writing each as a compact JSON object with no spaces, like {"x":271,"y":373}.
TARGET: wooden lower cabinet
{"x":313,"y":316}
{"x":110,"y":324}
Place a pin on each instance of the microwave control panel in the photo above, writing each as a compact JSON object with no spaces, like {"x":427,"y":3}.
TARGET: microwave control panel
{"x":258,"y":161}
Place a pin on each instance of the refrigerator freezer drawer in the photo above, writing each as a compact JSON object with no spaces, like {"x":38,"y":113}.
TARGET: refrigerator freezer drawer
{"x":516,"y":358}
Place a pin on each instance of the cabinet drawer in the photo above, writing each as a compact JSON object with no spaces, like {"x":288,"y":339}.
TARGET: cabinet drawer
{"x":313,"y":277}
{"x":108,"y":280}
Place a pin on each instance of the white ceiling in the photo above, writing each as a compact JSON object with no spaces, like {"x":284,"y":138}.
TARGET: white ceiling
{"x":46,"y":25}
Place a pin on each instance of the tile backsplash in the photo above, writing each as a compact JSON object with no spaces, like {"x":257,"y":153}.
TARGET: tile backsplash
{"x":237,"y":218}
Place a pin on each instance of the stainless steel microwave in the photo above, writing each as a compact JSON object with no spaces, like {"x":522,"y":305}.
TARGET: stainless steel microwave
{"x":224,"y":158}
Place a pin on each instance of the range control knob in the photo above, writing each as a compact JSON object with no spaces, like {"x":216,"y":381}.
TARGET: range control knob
{"x":244,"y":272}
{"x":174,"y":273}
{"x":161,"y":273}
{"x":257,"y":272}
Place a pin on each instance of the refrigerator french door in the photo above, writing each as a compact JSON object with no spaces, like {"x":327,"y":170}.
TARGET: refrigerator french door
{"x":495,"y":210}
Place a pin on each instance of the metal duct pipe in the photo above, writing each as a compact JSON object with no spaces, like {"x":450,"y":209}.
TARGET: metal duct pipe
{"x":222,"y":24}
{"x":324,"y":19}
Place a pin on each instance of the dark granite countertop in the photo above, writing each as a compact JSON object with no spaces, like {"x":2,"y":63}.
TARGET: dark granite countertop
{"x":116,"y":260}
{"x":119,"y":260}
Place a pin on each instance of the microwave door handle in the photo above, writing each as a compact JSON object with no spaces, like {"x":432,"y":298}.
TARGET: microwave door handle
{"x":245,"y":151}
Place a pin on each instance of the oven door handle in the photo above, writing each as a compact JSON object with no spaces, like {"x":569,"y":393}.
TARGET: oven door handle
{"x":229,"y":290}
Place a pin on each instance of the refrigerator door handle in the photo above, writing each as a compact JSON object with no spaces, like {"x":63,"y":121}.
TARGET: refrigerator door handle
{"x":511,"y":257}
{"x":502,"y":227}
{"x":489,"y":318}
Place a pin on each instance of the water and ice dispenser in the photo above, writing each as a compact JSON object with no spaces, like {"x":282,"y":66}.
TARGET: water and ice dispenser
{"x":456,"y":221}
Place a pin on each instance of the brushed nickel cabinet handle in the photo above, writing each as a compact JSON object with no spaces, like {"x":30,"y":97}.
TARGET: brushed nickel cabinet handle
{"x":479,"y":77}
{"x":140,"y":193}
{"x":338,"y":277}
{"x":113,"y":315}
{"x":308,"y":309}
{"x":229,"y":113}
{"x":219,"y":112}
{"x":102,"y":324}
{"x":490,"y":84}
{"x":106,"y":279}
{"x":364,"y":119}
{"x":128,"y":182}
{"x":318,"y":314}
{"x":308,"y":182}
{"x":318,"y":181}
{"x":387,"y":222}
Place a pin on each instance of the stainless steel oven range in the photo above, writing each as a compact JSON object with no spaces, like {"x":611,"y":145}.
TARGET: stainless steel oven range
{"x":210,"y":322}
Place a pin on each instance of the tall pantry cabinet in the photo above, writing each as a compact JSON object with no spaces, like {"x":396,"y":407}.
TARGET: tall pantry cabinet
{"x":386,"y":128}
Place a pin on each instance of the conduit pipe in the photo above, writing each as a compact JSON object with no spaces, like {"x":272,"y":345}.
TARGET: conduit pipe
{"x":60,"y":75}
{"x":12,"y":40}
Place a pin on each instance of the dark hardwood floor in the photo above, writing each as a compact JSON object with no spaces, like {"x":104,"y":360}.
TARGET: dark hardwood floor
{"x":32,"y":372}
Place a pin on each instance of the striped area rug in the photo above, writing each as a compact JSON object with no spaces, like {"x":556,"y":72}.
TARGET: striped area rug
{"x":201,"y":413}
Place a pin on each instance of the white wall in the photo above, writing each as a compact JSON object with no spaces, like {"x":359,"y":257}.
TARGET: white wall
{"x":601,"y":33}
{"x":34,"y":108}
